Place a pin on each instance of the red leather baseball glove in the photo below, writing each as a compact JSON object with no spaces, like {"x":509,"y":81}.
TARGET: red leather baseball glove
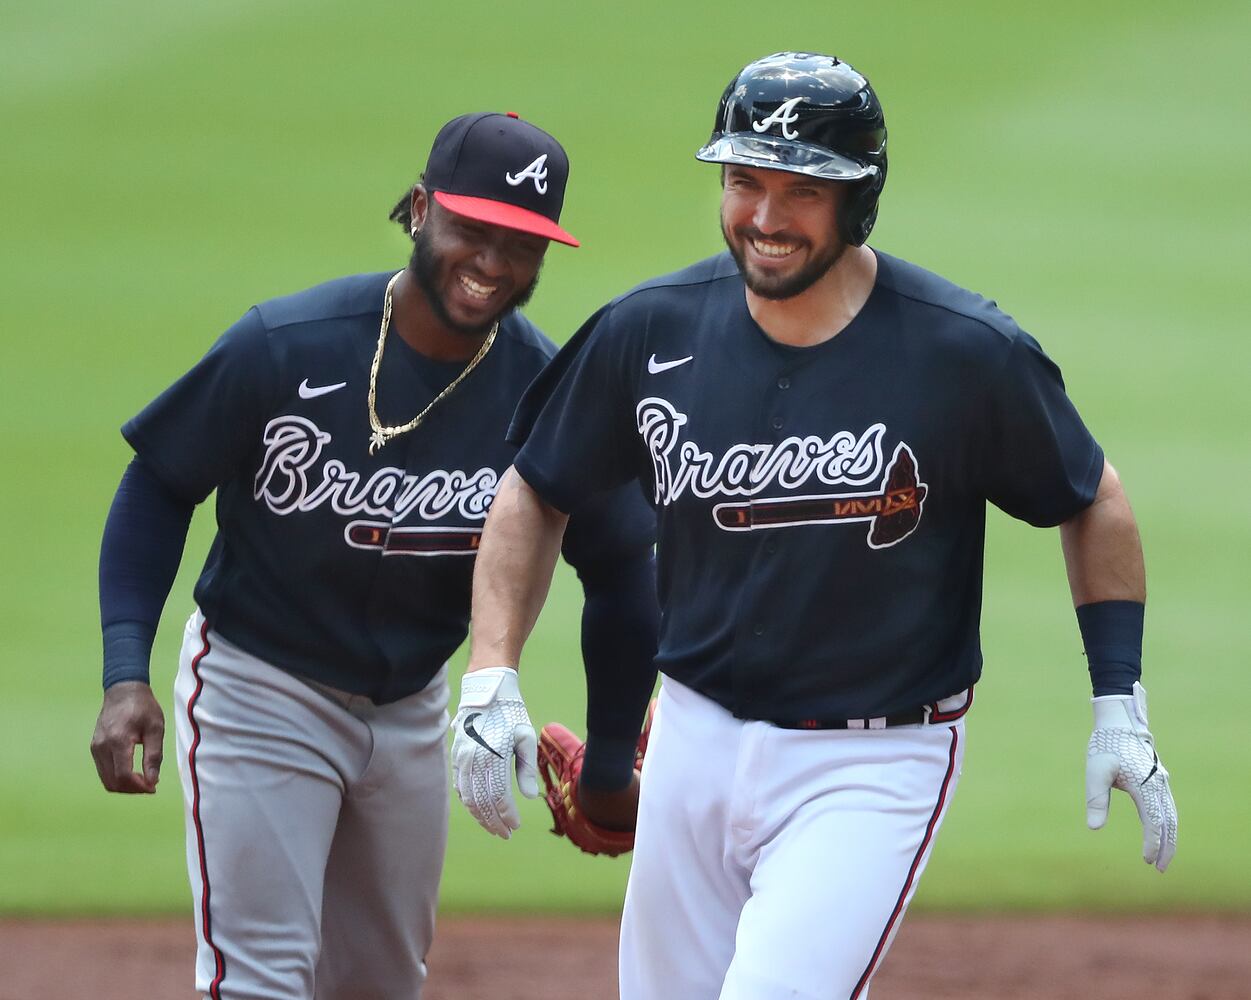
{"x":560,"y":764}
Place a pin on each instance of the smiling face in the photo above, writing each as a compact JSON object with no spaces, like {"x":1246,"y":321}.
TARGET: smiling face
{"x":781,"y":228}
{"x":472,"y":273}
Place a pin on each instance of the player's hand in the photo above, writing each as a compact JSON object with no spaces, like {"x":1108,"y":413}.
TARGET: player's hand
{"x":492,"y":729}
{"x":1121,"y":754}
{"x":129,"y":717}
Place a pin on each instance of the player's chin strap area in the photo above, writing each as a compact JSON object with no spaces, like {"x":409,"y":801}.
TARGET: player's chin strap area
{"x":937,"y":713}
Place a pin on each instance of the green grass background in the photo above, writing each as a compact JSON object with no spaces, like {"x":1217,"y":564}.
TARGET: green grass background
{"x":165,"y":165}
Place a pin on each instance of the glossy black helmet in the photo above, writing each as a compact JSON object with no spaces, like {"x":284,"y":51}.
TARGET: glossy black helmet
{"x":808,"y":114}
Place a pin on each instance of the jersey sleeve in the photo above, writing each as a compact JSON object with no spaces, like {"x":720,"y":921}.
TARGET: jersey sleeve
{"x":195,"y":434}
{"x":1040,"y":464}
{"x":573,"y":426}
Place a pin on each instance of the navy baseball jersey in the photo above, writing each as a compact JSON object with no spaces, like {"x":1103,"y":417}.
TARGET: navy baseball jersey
{"x":351,"y":569}
{"x":821,"y":510}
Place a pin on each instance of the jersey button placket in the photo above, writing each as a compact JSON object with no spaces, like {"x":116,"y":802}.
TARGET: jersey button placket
{"x":777,"y":421}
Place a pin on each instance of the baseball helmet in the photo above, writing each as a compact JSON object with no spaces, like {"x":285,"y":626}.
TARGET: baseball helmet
{"x":808,"y":114}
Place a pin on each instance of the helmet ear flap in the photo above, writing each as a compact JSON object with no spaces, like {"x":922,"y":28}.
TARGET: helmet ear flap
{"x":859,"y":210}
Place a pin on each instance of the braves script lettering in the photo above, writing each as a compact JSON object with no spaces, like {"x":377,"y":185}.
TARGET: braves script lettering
{"x":288,"y":482}
{"x":747,"y":469}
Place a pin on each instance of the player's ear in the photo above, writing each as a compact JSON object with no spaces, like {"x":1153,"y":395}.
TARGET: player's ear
{"x":419,"y":205}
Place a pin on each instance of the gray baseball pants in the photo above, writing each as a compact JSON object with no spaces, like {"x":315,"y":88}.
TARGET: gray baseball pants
{"x":316,"y":828}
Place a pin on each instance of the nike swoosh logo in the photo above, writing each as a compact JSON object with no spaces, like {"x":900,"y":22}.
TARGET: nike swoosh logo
{"x":313,"y":391}
{"x":655,"y":367}
{"x":1155,"y":766}
{"x":473,"y":735}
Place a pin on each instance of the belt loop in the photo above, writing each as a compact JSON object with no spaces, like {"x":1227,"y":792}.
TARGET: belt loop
{"x":878,"y":723}
{"x":926,"y":712}
{"x":855,"y":723}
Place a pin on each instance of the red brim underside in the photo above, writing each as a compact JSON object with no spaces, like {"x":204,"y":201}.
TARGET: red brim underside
{"x":500,"y":213}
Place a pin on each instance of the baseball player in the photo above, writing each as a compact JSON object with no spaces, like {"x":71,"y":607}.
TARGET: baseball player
{"x":355,"y":435}
{"x":820,"y":426}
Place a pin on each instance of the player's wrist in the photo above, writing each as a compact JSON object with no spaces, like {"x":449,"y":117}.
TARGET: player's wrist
{"x":1112,"y":636}
{"x":615,"y":810}
{"x":608,"y":763}
{"x":477,"y":664}
{"x":127,"y":652}
{"x":1122,"y":711}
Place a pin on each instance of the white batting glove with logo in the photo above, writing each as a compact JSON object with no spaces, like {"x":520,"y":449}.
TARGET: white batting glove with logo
{"x":1121,"y":754}
{"x":492,"y":728}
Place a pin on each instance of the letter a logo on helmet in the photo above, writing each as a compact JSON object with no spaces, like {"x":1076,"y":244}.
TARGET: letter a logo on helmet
{"x":536,"y":171}
{"x":785,"y":116}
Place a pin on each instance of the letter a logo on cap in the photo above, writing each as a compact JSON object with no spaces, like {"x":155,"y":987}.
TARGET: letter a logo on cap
{"x":536,"y":171}
{"x":786,"y":116}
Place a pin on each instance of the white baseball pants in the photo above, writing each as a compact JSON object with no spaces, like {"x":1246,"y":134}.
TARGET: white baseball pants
{"x":772,"y":862}
{"x":316,"y":828}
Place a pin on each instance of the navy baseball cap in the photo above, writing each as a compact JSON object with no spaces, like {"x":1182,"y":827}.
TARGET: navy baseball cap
{"x":499,"y":169}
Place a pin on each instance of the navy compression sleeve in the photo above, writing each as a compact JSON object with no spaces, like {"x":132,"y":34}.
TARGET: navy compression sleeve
{"x":1112,"y":635}
{"x":620,"y":619}
{"x":142,"y":546}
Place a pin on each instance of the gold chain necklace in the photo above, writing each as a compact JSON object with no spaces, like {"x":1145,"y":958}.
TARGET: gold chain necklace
{"x":381,"y":435}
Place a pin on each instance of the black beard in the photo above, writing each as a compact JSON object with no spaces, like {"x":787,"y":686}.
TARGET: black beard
{"x":425,"y":264}
{"x":784,"y":287}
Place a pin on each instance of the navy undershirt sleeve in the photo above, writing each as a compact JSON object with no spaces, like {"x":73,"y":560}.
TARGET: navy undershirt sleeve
{"x":609,"y":542}
{"x":144,"y":536}
{"x":620,"y":619}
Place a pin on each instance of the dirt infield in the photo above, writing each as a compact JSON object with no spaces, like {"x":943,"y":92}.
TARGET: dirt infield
{"x":991,"y":958}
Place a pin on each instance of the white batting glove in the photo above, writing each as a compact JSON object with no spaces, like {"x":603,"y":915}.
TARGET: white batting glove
{"x":491,"y":728}
{"x":1121,"y":754}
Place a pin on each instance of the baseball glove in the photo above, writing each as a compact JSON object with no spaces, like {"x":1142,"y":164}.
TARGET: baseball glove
{"x":560,"y":764}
